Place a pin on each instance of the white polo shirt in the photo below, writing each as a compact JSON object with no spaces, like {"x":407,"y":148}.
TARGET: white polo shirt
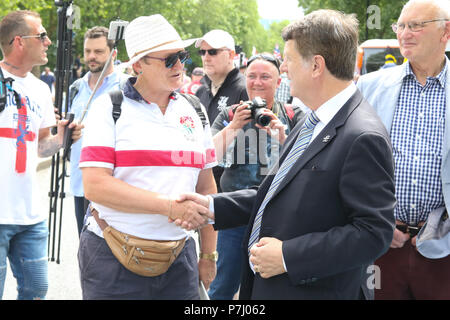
{"x":149,"y":150}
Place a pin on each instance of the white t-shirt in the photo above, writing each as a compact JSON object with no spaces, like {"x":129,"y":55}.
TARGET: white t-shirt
{"x":151,"y":151}
{"x":19,"y":136}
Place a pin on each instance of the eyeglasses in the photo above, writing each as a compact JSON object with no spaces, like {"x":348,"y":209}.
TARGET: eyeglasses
{"x":414,"y":26}
{"x":263,"y":56}
{"x":42,"y":36}
{"x":211,"y":52}
{"x":173,"y":58}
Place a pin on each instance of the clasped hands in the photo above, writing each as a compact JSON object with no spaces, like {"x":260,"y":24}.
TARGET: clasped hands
{"x":190,"y":211}
{"x":266,"y":255}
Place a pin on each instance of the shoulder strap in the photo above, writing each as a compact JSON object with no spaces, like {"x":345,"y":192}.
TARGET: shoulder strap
{"x":289,"y":111}
{"x":195,"y":102}
{"x":116,"y":99}
{"x":3,"y":91}
{"x":73,"y":90}
{"x":231,"y":113}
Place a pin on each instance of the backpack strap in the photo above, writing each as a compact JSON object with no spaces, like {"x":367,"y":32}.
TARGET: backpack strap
{"x":3,"y":91}
{"x":231,"y":113}
{"x":73,"y":90}
{"x":289,"y":111}
{"x":116,"y":99}
{"x":195,"y":102}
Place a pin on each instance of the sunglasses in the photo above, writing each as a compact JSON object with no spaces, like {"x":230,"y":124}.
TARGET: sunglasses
{"x":211,"y":52}
{"x":42,"y":36}
{"x":265,"y":57}
{"x":171,"y":60}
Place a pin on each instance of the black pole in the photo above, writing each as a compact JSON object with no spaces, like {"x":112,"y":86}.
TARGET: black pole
{"x":62,"y":75}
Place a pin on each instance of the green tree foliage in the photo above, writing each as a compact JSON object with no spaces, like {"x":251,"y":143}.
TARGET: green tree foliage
{"x":191,"y":18}
{"x":388,"y":13}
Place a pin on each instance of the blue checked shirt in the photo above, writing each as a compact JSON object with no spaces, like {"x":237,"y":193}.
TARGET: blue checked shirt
{"x":417,"y":136}
{"x":283,"y":92}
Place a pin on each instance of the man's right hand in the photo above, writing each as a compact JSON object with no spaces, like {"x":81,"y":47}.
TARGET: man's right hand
{"x":399,"y":239}
{"x":201,"y":205}
{"x":189,"y":214}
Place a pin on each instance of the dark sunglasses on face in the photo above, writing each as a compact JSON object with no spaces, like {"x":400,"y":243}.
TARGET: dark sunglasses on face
{"x":171,"y":60}
{"x":42,"y":36}
{"x":266,"y":57}
{"x":211,"y":52}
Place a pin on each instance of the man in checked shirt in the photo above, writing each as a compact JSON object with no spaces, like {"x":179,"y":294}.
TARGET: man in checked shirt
{"x":413,"y":101}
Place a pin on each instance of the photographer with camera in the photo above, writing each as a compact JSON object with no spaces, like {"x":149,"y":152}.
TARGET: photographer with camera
{"x":26,"y":117}
{"x":252,"y":132}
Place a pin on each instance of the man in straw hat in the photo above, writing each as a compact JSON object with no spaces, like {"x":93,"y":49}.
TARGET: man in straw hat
{"x":134,"y":168}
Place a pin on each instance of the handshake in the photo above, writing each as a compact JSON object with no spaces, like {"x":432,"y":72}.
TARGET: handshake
{"x":190,"y":211}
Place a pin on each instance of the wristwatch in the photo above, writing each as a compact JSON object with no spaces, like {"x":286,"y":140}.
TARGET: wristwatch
{"x":209,"y":256}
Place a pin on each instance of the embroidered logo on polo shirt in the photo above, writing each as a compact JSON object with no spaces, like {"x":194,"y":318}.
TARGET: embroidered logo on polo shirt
{"x":188,"y":126}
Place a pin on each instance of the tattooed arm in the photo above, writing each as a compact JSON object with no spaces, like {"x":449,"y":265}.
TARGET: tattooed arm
{"x":50,"y":144}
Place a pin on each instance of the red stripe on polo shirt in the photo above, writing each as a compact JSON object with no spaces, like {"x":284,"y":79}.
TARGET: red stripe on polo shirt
{"x":98,"y":154}
{"x":157,"y":158}
{"x":210,"y":155}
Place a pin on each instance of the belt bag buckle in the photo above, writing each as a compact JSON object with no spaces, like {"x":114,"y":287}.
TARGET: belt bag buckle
{"x":148,"y":258}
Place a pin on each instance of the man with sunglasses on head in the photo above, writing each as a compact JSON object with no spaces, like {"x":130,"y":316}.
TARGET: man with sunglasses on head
{"x":248,"y":151}
{"x":223,"y":84}
{"x":413,"y":101}
{"x":135,"y":167}
{"x":26,"y":117}
{"x":97,"y":49}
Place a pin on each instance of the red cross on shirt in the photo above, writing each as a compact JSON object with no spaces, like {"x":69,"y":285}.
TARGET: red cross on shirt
{"x":22,"y":135}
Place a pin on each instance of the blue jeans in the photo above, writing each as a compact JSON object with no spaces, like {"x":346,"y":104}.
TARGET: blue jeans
{"x":26,"y":248}
{"x":226,"y":283}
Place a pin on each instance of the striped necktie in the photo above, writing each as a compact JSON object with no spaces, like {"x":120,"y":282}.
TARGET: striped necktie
{"x":299,"y":147}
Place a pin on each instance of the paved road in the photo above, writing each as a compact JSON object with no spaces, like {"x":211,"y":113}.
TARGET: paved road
{"x":64,"y":281}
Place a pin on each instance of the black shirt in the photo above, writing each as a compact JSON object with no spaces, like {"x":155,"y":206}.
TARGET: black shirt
{"x":232,"y":91}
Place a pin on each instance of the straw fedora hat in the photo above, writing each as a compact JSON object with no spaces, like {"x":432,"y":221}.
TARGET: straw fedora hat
{"x":148,"y":34}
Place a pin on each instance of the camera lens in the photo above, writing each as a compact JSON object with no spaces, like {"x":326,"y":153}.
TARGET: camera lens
{"x":262,"y":119}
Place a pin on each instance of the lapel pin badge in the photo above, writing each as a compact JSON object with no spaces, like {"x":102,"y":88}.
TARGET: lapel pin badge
{"x":326,"y":139}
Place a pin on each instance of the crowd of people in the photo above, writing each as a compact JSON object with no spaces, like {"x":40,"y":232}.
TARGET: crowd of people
{"x":290,"y":200}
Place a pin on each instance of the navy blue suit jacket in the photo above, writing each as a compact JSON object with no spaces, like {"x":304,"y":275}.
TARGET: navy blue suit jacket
{"x":334,"y":210}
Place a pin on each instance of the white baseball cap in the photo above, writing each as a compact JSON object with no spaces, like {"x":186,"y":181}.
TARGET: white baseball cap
{"x":148,"y":34}
{"x":217,"y":39}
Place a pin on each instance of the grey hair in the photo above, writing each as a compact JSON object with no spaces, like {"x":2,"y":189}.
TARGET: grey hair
{"x":442,"y":7}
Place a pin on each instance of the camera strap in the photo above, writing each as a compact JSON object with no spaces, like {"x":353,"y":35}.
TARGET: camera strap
{"x":5,"y":86}
{"x":3,"y":91}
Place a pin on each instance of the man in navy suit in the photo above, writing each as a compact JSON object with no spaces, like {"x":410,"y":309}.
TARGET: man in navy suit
{"x":326,"y":211}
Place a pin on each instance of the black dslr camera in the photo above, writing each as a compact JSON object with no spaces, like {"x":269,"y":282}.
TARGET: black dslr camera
{"x":257,"y":106}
